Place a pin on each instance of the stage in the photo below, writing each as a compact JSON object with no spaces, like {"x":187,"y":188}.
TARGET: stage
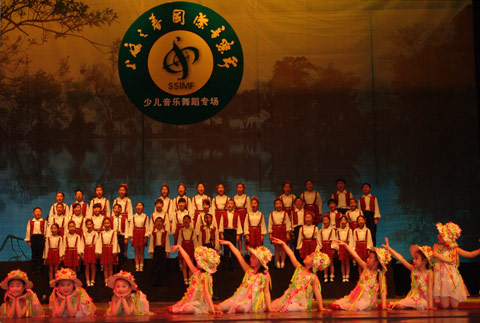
{"x":468,"y":312}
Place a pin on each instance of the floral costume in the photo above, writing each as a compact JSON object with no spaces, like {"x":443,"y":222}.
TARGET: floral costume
{"x":300,"y":293}
{"x":249,"y":296}
{"x":447,"y":279}
{"x":193,"y":297}
{"x":417,"y":297}
{"x":34,"y":308}
{"x":141,"y":307}
{"x":364,"y":295}
{"x":84,"y":303}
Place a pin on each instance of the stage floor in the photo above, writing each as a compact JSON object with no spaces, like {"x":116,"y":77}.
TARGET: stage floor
{"x":468,"y":312}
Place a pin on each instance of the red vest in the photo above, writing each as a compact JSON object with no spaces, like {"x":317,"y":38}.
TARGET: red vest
{"x":42,"y":226}
{"x":348,"y":196}
{"x":163,"y":237}
{"x":204,"y":236}
{"x":363,"y":206}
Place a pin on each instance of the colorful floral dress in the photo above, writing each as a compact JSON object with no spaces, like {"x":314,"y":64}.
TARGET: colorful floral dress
{"x":364,"y":295}
{"x":34,"y":308}
{"x":417,"y":297}
{"x":249,"y":296}
{"x":299,"y":295}
{"x":194,"y":296}
{"x":447,"y":279}
{"x":85,"y":306}
{"x":141,"y":307}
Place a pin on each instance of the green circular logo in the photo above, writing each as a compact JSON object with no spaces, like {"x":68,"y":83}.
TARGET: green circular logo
{"x":180,"y":63}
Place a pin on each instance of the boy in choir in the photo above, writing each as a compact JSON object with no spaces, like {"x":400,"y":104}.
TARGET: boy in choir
{"x":327,"y":235}
{"x":197,"y":202}
{"x":97,"y":217}
{"x":101,"y":200}
{"x":79,"y":200}
{"x":208,"y":233}
{"x":107,"y":248}
{"x":279,"y":227}
{"x":78,"y":218}
{"x":188,"y":241}
{"x":201,"y":216}
{"x":342,"y":196}
{"x":255,"y":228}
{"x":333,"y":214}
{"x":178,"y":218}
{"x":308,"y":236}
{"x":297,"y":220}
{"x":369,"y":207}
{"x":35,"y":237}
{"x":121,"y":226}
{"x":59,"y":197}
{"x":90,"y":237}
{"x":138,"y":234}
{"x":59,"y":218}
{"x":242,"y":207}
{"x":125,"y":203}
{"x":219,"y":203}
{"x":287,"y":197}
{"x":73,"y":248}
{"x":182,"y":190}
{"x":312,"y":201}
{"x":353,"y":214}
{"x":362,"y":240}
{"x":230,"y":229}
{"x":158,"y":249}
{"x":160,"y":212}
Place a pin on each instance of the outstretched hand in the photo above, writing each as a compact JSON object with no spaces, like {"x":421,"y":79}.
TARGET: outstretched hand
{"x":225,"y":242}
{"x":175,"y":247}
{"x":340,"y":242}
{"x":277,"y":241}
{"x":386,"y":245}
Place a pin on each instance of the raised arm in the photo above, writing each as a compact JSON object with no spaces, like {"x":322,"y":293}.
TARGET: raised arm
{"x":186,"y":257}
{"x":288,"y":251}
{"x":399,"y":257}
{"x":237,"y":254}
{"x":354,"y":254}
{"x":468,"y":254}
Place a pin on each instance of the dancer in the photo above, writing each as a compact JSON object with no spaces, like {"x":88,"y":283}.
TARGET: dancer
{"x":253,"y":295}
{"x":19,"y":300}
{"x":304,"y":284}
{"x":198,"y":297}
{"x":127,"y":299}
{"x":420,"y":296}
{"x":448,"y":286}
{"x":372,"y":281}
{"x":68,"y":298}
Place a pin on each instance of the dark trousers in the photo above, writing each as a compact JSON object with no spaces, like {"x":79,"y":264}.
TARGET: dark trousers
{"x":230,"y":235}
{"x":159,"y":266}
{"x":121,"y":255}
{"x":296,"y":232}
{"x":370,"y":223}
{"x":38,"y":245}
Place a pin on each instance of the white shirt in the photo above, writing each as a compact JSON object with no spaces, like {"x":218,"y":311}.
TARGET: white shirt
{"x":201,"y":222}
{"x":168,"y":206}
{"x":279,"y":218}
{"x":197,"y":202}
{"x":312,"y":197}
{"x":103,"y":202}
{"x":308,"y":232}
{"x":82,"y":204}
{"x":69,"y":242}
{"x":353,"y":215}
{"x":127,"y":207}
{"x":55,"y":242}
{"x":187,"y":234}
{"x":90,"y":238}
{"x":158,"y":240}
{"x":328,"y":234}
{"x":345,"y":235}
{"x":363,"y":235}
{"x":188,"y":206}
{"x":288,"y":200}
{"x":107,"y":237}
{"x":178,"y":219}
{"x":79,"y":221}
{"x":333,"y":216}
{"x":53,"y":210}
{"x":97,"y":222}
{"x":207,"y":231}
{"x":256,"y":219}
{"x":342,"y":202}
{"x":61,"y":220}
{"x":242,"y":201}
{"x":219,"y":203}
{"x":140,"y":221}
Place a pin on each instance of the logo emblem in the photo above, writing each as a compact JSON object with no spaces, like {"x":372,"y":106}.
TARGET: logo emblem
{"x":180,"y":63}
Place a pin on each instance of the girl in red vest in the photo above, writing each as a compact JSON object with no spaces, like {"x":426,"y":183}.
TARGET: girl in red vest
{"x":242,"y":207}
{"x":362,"y":240}
{"x":208,"y":233}
{"x":78,"y":218}
{"x":327,"y":235}
{"x":73,"y":247}
{"x":90,"y":237}
{"x":342,"y":196}
{"x":287,"y":197}
{"x":138,"y":235}
{"x":353,"y":214}
{"x":308,"y":236}
{"x":101,"y":200}
{"x":312,"y":201}
{"x":345,"y":234}
{"x":219,"y":203}
{"x":107,"y":248}
{"x":255,"y":228}
{"x":79,"y":199}
{"x":197,"y":202}
{"x":53,"y":246}
{"x":188,"y":241}
{"x":279,"y":227}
